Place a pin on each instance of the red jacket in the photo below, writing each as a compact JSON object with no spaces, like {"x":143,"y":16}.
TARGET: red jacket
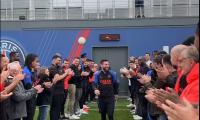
{"x":66,"y":80}
{"x":191,"y":92}
{"x":1,"y":87}
{"x":177,"y":86}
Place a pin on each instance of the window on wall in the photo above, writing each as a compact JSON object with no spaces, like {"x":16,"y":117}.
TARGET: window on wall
{"x":110,"y":37}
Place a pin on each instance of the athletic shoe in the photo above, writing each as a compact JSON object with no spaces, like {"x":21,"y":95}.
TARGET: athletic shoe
{"x":130,"y":105}
{"x":129,"y":99}
{"x":67,"y":115}
{"x":136,"y":117}
{"x":74,"y":117}
{"x":85,"y":107}
{"x":82,"y":111}
{"x":78,"y":114}
{"x":133,"y":112}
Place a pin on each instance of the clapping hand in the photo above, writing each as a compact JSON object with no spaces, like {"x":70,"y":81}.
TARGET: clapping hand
{"x":85,"y":74}
{"x":144,"y":79}
{"x":55,"y":79}
{"x":184,"y":111}
{"x":97,"y":92}
{"x":162,"y":96}
{"x":5,"y":95}
{"x":39,"y":88}
{"x":71,"y":72}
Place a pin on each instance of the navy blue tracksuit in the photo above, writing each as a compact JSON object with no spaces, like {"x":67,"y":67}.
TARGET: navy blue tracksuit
{"x":107,"y":84}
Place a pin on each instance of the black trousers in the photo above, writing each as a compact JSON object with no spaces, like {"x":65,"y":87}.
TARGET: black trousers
{"x":56,"y":106}
{"x":3,"y":111}
{"x":30,"y":107}
{"x":64,"y":101}
{"x":83,"y":98}
{"x":90,"y":93}
{"x":106,"y":108}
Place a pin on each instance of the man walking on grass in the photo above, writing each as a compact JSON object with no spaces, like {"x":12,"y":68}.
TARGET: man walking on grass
{"x":106,"y":88}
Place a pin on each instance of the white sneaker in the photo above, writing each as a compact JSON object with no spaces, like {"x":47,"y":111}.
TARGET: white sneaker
{"x":136,"y":117}
{"x":133,"y":111}
{"x":83,"y":112}
{"x":78,"y":114}
{"x":74,"y":117}
{"x":129,"y":99}
{"x":130,"y":105}
{"x":67,"y":115}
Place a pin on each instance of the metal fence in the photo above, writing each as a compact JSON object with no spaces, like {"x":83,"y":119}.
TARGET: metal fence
{"x":96,"y":9}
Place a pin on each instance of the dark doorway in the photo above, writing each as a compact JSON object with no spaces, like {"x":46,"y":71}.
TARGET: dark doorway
{"x":118,"y":57}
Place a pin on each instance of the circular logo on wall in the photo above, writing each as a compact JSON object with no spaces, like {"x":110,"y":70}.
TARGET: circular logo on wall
{"x":8,"y":46}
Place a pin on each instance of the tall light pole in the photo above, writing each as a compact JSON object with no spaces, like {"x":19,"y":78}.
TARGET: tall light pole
{"x":32,"y":9}
{"x":98,"y":9}
{"x":50,"y":9}
{"x":130,"y":6}
{"x":67,"y":9}
{"x":12,"y":9}
{"x":82,"y":5}
{"x":113,"y":7}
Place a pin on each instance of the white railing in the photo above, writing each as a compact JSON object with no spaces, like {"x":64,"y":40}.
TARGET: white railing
{"x":96,"y":9}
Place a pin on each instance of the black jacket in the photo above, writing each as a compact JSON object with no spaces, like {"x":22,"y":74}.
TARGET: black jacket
{"x":76,"y":79}
{"x":44,"y":98}
{"x":58,"y":88}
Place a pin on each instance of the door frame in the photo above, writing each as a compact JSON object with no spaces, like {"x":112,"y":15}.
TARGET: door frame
{"x":112,"y":47}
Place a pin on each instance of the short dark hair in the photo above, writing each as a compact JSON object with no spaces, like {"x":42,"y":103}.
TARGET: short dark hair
{"x":13,"y":54}
{"x":104,"y":60}
{"x":167,"y":59}
{"x":189,"y":41}
{"x":158,"y":59}
{"x":29,"y":59}
{"x":147,"y":53}
{"x":131,"y":62}
{"x":76,"y":58}
{"x":67,"y":60}
{"x":56,"y":56}
{"x":84,"y":55}
{"x":162,"y":53}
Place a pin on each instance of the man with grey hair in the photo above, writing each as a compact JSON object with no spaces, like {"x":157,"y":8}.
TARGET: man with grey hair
{"x":175,"y":53}
{"x":188,"y":86}
{"x":17,"y":106}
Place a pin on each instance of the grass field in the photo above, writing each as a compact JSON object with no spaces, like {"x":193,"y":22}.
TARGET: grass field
{"x":121,"y":112}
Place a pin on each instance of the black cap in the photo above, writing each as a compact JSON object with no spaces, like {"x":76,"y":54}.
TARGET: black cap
{"x":56,"y":56}
{"x":84,"y":55}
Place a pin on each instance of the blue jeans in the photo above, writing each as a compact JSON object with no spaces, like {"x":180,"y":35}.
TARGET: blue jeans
{"x":162,"y":117}
{"x":43,"y":111}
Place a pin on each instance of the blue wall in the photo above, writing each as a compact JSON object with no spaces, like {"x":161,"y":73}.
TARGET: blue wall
{"x":46,"y":42}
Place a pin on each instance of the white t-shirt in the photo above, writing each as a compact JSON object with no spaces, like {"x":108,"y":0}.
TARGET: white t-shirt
{"x":149,"y":62}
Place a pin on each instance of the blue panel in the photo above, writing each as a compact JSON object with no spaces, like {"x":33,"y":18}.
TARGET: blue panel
{"x":47,"y":42}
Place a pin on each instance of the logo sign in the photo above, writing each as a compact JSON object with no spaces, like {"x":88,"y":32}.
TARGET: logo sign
{"x":8,"y":46}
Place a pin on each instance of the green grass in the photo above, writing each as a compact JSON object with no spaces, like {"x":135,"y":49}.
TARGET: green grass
{"x":121,"y":112}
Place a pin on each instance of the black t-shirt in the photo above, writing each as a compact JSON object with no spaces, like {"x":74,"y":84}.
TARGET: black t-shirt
{"x":58,"y":88}
{"x":76,"y":79}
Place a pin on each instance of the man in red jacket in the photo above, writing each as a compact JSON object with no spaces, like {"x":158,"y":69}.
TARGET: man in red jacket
{"x":189,"y":64}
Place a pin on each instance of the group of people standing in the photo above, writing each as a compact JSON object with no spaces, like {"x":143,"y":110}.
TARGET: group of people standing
{"x":61,"y":90}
